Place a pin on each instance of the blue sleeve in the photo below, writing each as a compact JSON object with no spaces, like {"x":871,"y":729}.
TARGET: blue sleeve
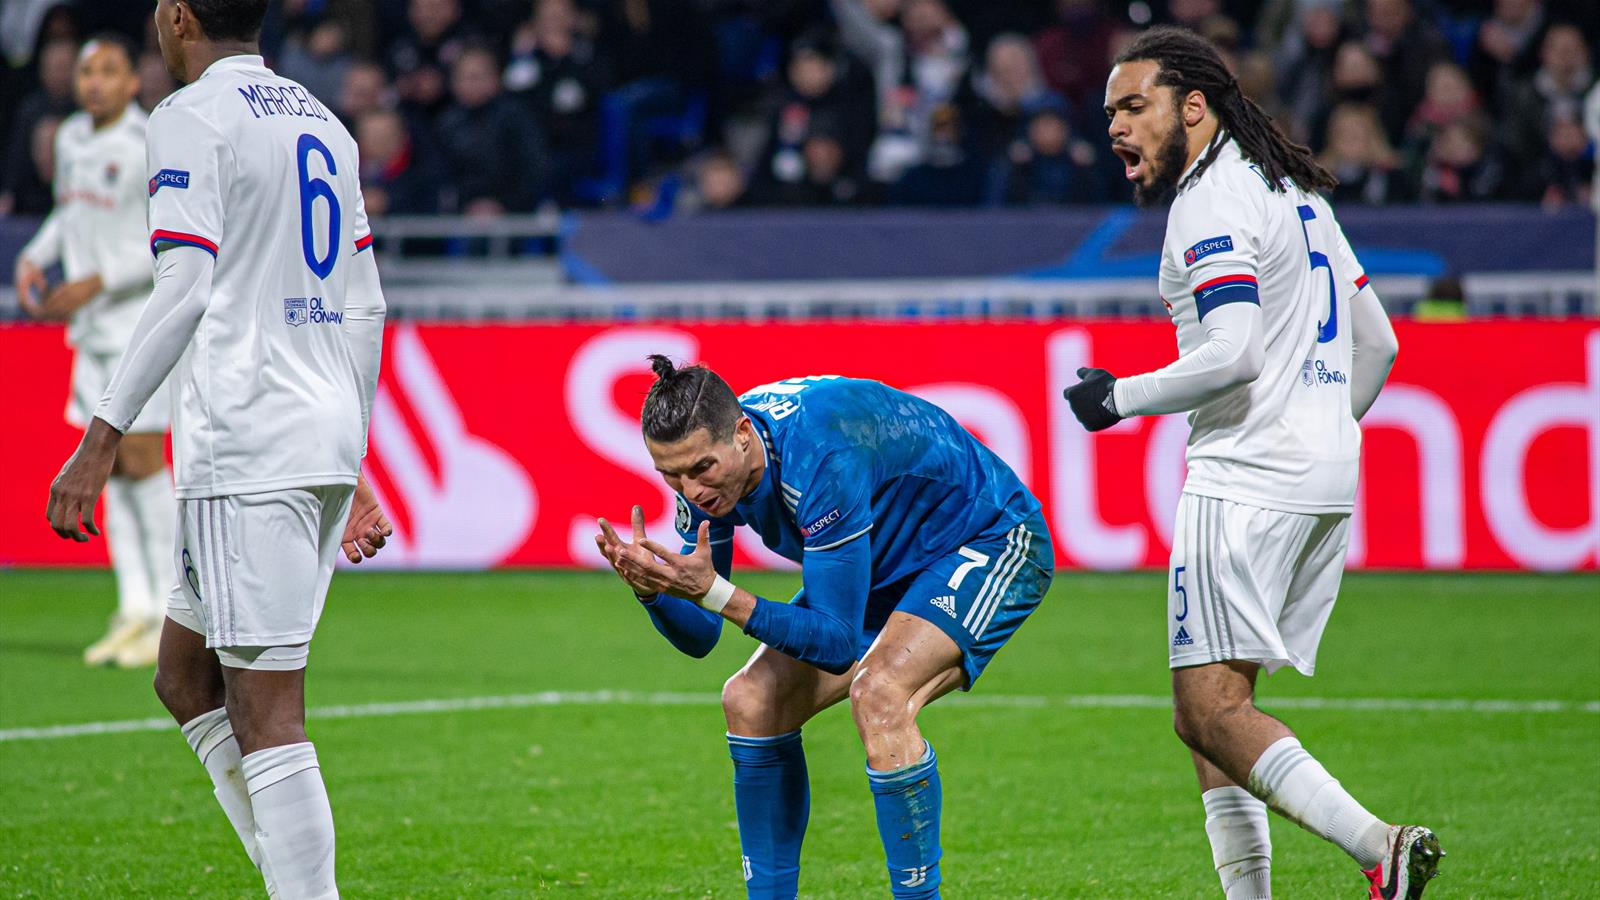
{"x":834,"y":511}
{"x":684,"y":623}
{"x":826,"y":632}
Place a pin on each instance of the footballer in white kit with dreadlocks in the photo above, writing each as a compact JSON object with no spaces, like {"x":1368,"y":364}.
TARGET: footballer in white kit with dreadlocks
{"x":1283,"y":346}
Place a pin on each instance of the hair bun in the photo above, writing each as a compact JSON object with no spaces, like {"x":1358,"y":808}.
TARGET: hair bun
{"x":662,"y":366}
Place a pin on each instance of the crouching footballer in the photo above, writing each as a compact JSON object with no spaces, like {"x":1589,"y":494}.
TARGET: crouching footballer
{"x":921,"y":554}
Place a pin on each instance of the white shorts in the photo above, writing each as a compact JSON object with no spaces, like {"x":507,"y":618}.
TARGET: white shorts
{"x":1251,"y":584}
{"x":91,"y":372}
{"x":253,"y":571}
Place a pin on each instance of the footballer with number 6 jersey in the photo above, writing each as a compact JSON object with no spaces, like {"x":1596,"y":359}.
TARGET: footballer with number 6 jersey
{"x":1283,"y":346}
{"x":921,"y":553}
{"x":268,"y":314}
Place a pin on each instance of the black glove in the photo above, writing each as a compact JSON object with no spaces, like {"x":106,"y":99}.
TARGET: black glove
{"x":1092,"y":399}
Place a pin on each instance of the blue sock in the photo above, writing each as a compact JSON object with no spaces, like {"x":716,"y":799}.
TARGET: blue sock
{"x":908,"y":802}
{"x":773,"y":797}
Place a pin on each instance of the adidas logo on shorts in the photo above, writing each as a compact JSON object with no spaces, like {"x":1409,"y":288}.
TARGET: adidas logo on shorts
{"x":1182,"y":639}
{"x":946,"y":603}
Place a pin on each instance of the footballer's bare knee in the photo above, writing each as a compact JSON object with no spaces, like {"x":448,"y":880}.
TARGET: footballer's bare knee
{"x":758,"y":703}
{"x":267,"y":708}
{"x":188,"y":679}
{"x":775,"y":694}
{"x":185,"y":697}
{"x":879,"y":700}
{"x":1202,"y":721}
{"x":747,"y":703}
{"x":1186,"y":727}
{"x":1209,"y":700}
{"x":884,"y":705}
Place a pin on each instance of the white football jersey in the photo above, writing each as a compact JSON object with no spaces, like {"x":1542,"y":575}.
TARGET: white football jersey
{"x":248,"y":166}
{"x":98,"y":226}
{"x":1287,"y":440}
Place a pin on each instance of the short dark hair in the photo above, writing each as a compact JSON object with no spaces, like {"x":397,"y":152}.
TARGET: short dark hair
{"x":1189,"y":62}
{"x":682,"y":401}
{"x":118,"y":40}
{"x":229,"y":20}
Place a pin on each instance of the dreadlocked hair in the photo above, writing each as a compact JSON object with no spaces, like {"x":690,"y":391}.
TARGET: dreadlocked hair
{"x":682,"y":401}
{"x":1189,"y":62}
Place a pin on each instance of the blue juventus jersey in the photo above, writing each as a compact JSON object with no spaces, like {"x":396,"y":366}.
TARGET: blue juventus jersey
{"x":848,"y":457}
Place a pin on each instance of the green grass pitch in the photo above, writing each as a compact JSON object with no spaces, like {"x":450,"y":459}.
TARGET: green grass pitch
{"x":612,"y":796}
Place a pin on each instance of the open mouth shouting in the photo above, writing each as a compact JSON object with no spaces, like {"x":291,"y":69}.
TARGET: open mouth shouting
{"x":1134,"y":167}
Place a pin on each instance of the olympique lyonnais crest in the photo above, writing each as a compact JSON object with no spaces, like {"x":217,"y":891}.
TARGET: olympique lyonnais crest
{"x":296,"y":311}
{"x":111,"y":173}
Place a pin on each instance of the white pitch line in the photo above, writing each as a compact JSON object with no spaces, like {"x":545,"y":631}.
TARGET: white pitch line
{"x":681,"y":698}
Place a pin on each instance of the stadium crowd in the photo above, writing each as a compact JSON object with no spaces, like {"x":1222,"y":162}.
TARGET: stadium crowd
{"x":488,"y":107}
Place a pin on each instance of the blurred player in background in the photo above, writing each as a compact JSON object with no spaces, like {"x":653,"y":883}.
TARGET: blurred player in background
{"x":921,"y":553}
{"x":268,"y":313}
{"x":97,"y":235}
{"x":1283,"y":348}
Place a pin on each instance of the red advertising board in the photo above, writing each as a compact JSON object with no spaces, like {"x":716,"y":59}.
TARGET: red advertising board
{"x":498,"y":445}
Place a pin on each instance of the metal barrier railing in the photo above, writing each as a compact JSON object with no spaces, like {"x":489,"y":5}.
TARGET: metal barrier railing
{"x":510,"y":269}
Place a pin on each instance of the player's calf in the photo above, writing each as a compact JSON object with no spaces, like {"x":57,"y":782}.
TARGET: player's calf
{"x":190,"y":685}
{"x":771,"y":786}
{"x":765,"y":704}
{"x":908,"y":802}
{"x":294,"y":821}
{"x":1241,"y":843}
{"x":1214,"y":714}
{"x":911,"y":664}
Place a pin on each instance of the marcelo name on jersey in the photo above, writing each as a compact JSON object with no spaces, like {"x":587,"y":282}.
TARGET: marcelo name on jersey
{"x":282,"y":100}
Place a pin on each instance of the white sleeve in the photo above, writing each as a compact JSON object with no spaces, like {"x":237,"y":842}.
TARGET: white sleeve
{"x":1374,"y":348}
{"x":1214,"y":238}
{"x":190,"y":166}
{"x":364,"y":310}
{"x":44,"y":249}
{"x":168,"y":323}
{"x":1232,"y":355}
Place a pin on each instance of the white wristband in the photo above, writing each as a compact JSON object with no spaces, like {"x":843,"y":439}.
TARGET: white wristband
{"x":719,"y":595}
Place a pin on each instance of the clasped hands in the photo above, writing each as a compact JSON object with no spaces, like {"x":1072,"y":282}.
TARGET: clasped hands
{"x":649,"y":568}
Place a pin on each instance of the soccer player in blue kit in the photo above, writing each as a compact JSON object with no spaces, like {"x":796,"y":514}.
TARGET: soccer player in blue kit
{"x":921,"y":553}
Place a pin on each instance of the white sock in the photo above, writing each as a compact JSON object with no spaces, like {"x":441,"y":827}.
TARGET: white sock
{"x":210,"y":736}
{"x":1297,"y":786}
{"x":1241,"y":844}
{"x":157,"y":511}
{"x":294,"y":823}
{"x":125,"y":539}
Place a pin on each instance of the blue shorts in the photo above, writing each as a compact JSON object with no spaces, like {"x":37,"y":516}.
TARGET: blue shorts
{"x":979,"y":595}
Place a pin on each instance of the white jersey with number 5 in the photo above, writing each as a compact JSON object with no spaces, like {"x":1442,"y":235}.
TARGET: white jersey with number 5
{"x":249,"y":167}
{"x":1286,"y":440}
